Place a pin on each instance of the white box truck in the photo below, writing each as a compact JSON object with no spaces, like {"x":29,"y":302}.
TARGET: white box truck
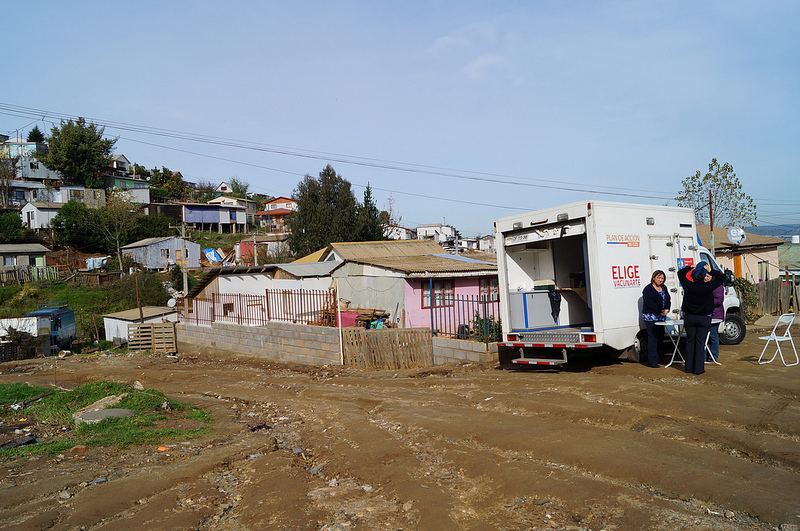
{"x":571,"y":277}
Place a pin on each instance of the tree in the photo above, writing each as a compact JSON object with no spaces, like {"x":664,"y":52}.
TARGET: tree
{"x":152,"y":226}
{"x":73,"y":226}
{"x":79,"y":152}
{"x":8,"y":173}
{"x":718,"y":193}
{"x":115,"y":221}
{"x":171,"y":182}
{"x":389,"y":217}
{"x":36,"y":135}
{"x":139,"y":171}
{"x":369,"y":219}
{"x":239,"y":188}
{"x":326,"y":212}
{"x":203,"y":191}
{"x":11,"y":228}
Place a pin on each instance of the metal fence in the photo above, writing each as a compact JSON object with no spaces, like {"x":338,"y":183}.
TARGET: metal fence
{"x":466,"y":317}
{"x":292,"y":306}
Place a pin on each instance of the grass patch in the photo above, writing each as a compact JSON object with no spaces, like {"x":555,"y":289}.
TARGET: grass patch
{"x":157,"y":419}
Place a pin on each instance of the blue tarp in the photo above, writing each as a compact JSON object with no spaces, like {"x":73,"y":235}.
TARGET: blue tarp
{"x":212,"y":255}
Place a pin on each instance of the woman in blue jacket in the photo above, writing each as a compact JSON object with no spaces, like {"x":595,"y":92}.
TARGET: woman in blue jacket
{"x":655,"y":307}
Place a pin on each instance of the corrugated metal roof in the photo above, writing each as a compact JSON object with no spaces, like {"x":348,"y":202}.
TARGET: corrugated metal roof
{"x":721,"y":239}
{"x":439,"y":263}
{"x":17,"y":248}
{"x":789,"y":255}
{"x":313,"y":257}
{"x":147,"y":241}
{"x":383,"y":249}
{"x":313,"y":269}
{"x":148,"y":311}
{"x":41,"y":205}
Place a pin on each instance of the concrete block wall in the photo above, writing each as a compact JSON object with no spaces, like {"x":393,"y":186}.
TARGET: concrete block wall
{"x":446,"y":350}
{"x":287,"y":342}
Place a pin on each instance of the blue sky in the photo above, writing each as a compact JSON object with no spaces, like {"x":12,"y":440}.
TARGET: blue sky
{"x":462,"y":111}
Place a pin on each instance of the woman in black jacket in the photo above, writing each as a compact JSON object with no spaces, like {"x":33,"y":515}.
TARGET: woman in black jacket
{"x":698,"y":284}
{"x":655,"y":307}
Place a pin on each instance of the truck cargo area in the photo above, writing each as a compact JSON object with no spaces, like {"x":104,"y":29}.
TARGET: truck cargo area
{"x":550,"y":290}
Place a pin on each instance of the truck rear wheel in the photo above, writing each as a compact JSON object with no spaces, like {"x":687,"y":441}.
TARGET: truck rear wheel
{"x":638,"y":350}
{"x":733,"y":330}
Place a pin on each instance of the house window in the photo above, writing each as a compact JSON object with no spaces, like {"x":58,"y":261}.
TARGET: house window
{"x":165,"y":254}
{"x":443,"y":292}
{"x":227,"y":308}
{"x":763,"y":270}
{"x":34,"y":165}
{"x":75,"y":194}
{"x":488,"y":290}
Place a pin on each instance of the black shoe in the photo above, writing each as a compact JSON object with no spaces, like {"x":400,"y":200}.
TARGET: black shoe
{"x":653,"y":366}
{"x":698,"y":373}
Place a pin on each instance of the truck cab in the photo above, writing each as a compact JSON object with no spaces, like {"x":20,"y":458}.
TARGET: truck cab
{"x":732,"y":330}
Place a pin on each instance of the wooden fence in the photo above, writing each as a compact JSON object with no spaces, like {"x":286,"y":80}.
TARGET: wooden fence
{"x":775,"y":297}
{"x":21,"y":274}
{"x":388,"y":348}
{"x":156,"y":337}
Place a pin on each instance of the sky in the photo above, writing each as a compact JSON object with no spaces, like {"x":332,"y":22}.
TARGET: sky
{"x":457,"y":112}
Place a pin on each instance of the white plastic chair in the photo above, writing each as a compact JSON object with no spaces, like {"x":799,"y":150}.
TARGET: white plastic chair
{"x":787,"y":319}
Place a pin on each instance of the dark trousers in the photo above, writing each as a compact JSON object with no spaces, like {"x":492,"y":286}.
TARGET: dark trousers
{"x":655,"y":338}
{"x":696,"y":327}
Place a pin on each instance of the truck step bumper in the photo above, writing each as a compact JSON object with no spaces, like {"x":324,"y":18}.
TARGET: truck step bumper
{"x":534,"y":361}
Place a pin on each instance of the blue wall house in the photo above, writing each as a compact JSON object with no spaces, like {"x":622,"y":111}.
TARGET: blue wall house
{"x":205,"y":217}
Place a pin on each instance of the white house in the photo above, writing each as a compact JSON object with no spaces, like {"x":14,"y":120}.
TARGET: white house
{"x":116,"y":324}
{"x":37,"y":215}
{"x":396,"y":232}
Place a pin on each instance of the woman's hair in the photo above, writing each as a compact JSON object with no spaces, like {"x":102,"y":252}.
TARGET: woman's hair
{"x":655,"y":274}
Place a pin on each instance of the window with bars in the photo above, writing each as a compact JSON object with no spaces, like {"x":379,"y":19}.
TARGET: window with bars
{"x":488,"y":290}
{"x":443,"y":292}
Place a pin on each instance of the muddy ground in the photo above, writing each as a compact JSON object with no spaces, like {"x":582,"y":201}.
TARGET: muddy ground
{"x":600,"y":444}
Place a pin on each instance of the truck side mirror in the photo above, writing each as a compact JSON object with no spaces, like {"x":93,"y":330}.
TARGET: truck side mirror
{"x":729,"y":278}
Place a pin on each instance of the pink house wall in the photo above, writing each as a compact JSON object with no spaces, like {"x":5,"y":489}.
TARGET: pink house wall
{"x":419,"y":317}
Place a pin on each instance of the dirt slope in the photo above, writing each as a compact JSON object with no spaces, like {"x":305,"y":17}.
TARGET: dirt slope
{"x":602,"y":444}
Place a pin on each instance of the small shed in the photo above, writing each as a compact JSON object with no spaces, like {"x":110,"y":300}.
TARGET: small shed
{"x":116,"y":324}
{"x":23,"y":254}
{"x":38,"y":215}
{"x":160,"y":253}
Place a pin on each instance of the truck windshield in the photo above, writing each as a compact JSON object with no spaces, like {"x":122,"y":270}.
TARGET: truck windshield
{"x":705,"y":257}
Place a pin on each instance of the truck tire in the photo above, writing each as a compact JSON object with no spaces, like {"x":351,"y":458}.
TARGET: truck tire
{"x":638,"y":350}
{"x":733,"y":330}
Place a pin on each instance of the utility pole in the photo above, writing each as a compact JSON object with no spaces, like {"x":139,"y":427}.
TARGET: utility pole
{"x":711,"y":219}
{"x":184,"y":261}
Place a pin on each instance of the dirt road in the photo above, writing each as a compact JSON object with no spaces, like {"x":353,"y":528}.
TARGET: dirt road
{"x":601,"y":444}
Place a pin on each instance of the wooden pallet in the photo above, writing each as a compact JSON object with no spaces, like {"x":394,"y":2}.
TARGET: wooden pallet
{"x":156,"y":337}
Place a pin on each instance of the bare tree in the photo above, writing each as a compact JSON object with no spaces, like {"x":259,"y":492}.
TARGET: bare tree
{"x":115,"y":220}
{"x":8,"y":173}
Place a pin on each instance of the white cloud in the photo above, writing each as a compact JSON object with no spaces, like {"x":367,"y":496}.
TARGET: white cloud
{"x":484,"y":64}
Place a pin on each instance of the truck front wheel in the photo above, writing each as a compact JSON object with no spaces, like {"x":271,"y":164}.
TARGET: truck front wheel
{"x":733,"y":330}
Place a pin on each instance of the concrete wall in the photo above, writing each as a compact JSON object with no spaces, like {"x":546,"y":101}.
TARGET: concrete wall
{"x":292,"y":343}
{"x":446,"y":350}
{"x":304,"y":344}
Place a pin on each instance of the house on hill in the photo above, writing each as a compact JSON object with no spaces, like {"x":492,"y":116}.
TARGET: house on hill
{"x":160,"y":253}
{"x":273,"y":217}
{"x":404,"y":279}
{"x":757,"y":259}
